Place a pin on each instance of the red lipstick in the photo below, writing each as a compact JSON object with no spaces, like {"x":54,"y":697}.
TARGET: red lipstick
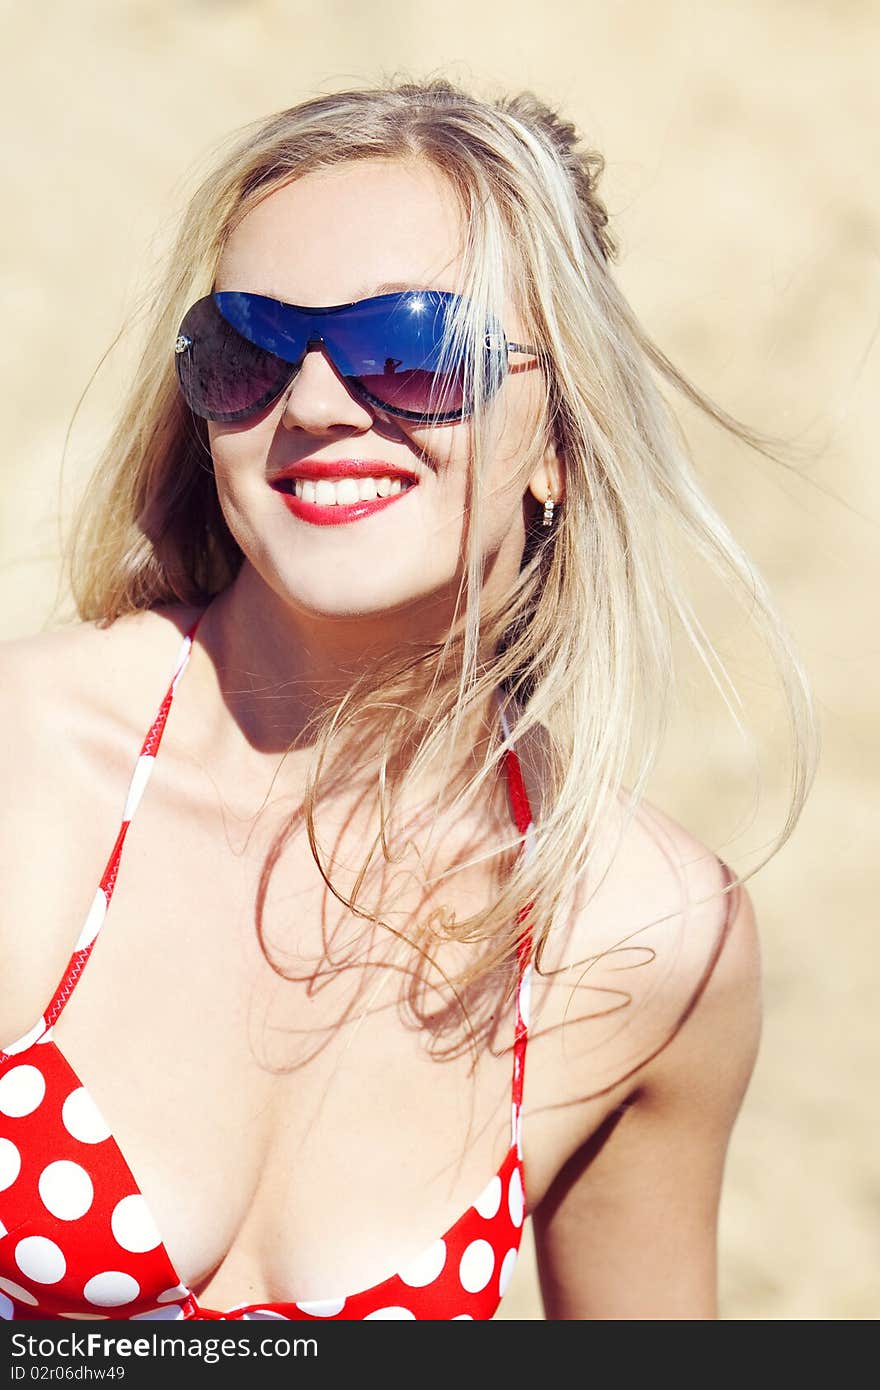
{"x":343,"y":468}
{"x":338,"y":514}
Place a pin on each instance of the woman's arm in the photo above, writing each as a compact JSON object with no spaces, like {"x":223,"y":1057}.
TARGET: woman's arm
{"x":628,"y":1229}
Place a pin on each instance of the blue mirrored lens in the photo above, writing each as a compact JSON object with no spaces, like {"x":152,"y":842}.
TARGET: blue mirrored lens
{"x":391,"y":346}
{"x":222,"y":375}
{"x":237,"y":351}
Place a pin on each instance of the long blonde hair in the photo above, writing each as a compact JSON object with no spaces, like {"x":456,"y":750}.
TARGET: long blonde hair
{"x":584,"y":639}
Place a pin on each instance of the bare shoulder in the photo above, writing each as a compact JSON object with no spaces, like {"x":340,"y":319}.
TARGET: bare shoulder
{"x":712,"y":1049}
{"x":73,"y":702}
{"x":655,"y":982}
{"x":74,"y":705}
{"x":54,"y":680}
{"x":656,"y":1020}
{"x":79,"y":650}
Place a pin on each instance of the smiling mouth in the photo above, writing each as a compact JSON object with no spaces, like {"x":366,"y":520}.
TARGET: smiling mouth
{"x":343,"y":491}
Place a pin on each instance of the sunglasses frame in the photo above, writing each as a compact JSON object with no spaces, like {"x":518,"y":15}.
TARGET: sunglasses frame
{"x":496,"y":344}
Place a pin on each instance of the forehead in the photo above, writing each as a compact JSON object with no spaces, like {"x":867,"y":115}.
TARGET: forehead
{"x":343,"y":234}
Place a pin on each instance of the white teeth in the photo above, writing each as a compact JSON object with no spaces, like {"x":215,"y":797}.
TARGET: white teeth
{"x":347,"y":491}
{"x":325,"y":492}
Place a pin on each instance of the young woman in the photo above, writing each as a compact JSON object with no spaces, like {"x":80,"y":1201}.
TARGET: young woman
{"x":377,"y":596}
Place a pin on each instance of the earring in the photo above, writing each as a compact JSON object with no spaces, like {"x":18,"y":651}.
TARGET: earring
{"x":548,"y":509}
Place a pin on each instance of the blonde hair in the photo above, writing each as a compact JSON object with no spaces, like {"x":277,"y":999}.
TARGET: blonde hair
{"x":586,"y":633}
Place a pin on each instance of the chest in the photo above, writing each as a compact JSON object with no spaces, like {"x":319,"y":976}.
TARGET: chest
{"x":293,"y":1100}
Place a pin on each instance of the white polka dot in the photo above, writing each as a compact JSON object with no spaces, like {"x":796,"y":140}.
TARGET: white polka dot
{"x":515,"y":1199}
{"x":170,"y":1311}
{"x":40,"y":1259}
{"x":133,"y":1226}
{"x":3,"y":1231}
{"x":263,"y":1315}
{"x":110,"y":1288}
{"x":82,"y":1118}
{"x":145,"y":764}
{"x":489,"y":1200}
{"x":462,"y":1317}
{"x":477,"y":1264}
{"x":7,"y":1309}
{"x":94,"y":921}
{"x":66,"y":1190}
{"x":23,"y":1295}
{"x":506,"y":1274}
{"x":525,"y":995}
{"x":172,"y":1295}
{"x":27,"y":1039}
{"x":426,"y":1267}
{"x":21,"y":1090}
{"x":322,"y":1307}
{"x":519,"y":1147}
{"x":390,"y":1313}
{"x":10,"y":1163}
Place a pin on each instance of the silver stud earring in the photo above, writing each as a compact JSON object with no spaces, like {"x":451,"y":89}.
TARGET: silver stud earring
{"x":548,"y":509}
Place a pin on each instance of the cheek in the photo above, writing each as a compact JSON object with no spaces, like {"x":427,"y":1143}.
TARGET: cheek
{"x":240,"y":454}
{"x":240,"y":472}
{"x":446,"y":450}
{"x":510,"y":457}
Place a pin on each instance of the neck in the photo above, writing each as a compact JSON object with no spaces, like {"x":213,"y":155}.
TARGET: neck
{"x":277,"y":670}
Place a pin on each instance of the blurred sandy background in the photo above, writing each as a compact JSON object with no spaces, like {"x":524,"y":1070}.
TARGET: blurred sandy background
{"x":742,"y":149}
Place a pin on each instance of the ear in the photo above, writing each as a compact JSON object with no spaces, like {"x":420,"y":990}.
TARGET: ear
{"x":548,"y":477}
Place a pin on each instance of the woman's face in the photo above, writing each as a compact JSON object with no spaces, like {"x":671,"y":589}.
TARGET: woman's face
{"x":331,"y":238}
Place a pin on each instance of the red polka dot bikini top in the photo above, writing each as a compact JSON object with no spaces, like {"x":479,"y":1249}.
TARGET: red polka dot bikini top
{"x":77,"y":1239}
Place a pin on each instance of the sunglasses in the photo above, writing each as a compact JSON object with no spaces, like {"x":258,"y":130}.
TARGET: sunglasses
{"x":236,"y":353}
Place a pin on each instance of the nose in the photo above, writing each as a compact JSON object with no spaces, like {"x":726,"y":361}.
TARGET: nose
{"x":318,"y":398}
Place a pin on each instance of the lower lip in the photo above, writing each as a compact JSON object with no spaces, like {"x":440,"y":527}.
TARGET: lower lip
{"x":337,"y":515}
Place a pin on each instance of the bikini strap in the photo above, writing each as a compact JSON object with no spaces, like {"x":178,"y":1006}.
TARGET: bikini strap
{"x":525,"y":824}
{"x":98,"y":910}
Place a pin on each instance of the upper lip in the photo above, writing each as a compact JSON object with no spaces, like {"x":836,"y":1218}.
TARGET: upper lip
{"x":342,"y":468}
